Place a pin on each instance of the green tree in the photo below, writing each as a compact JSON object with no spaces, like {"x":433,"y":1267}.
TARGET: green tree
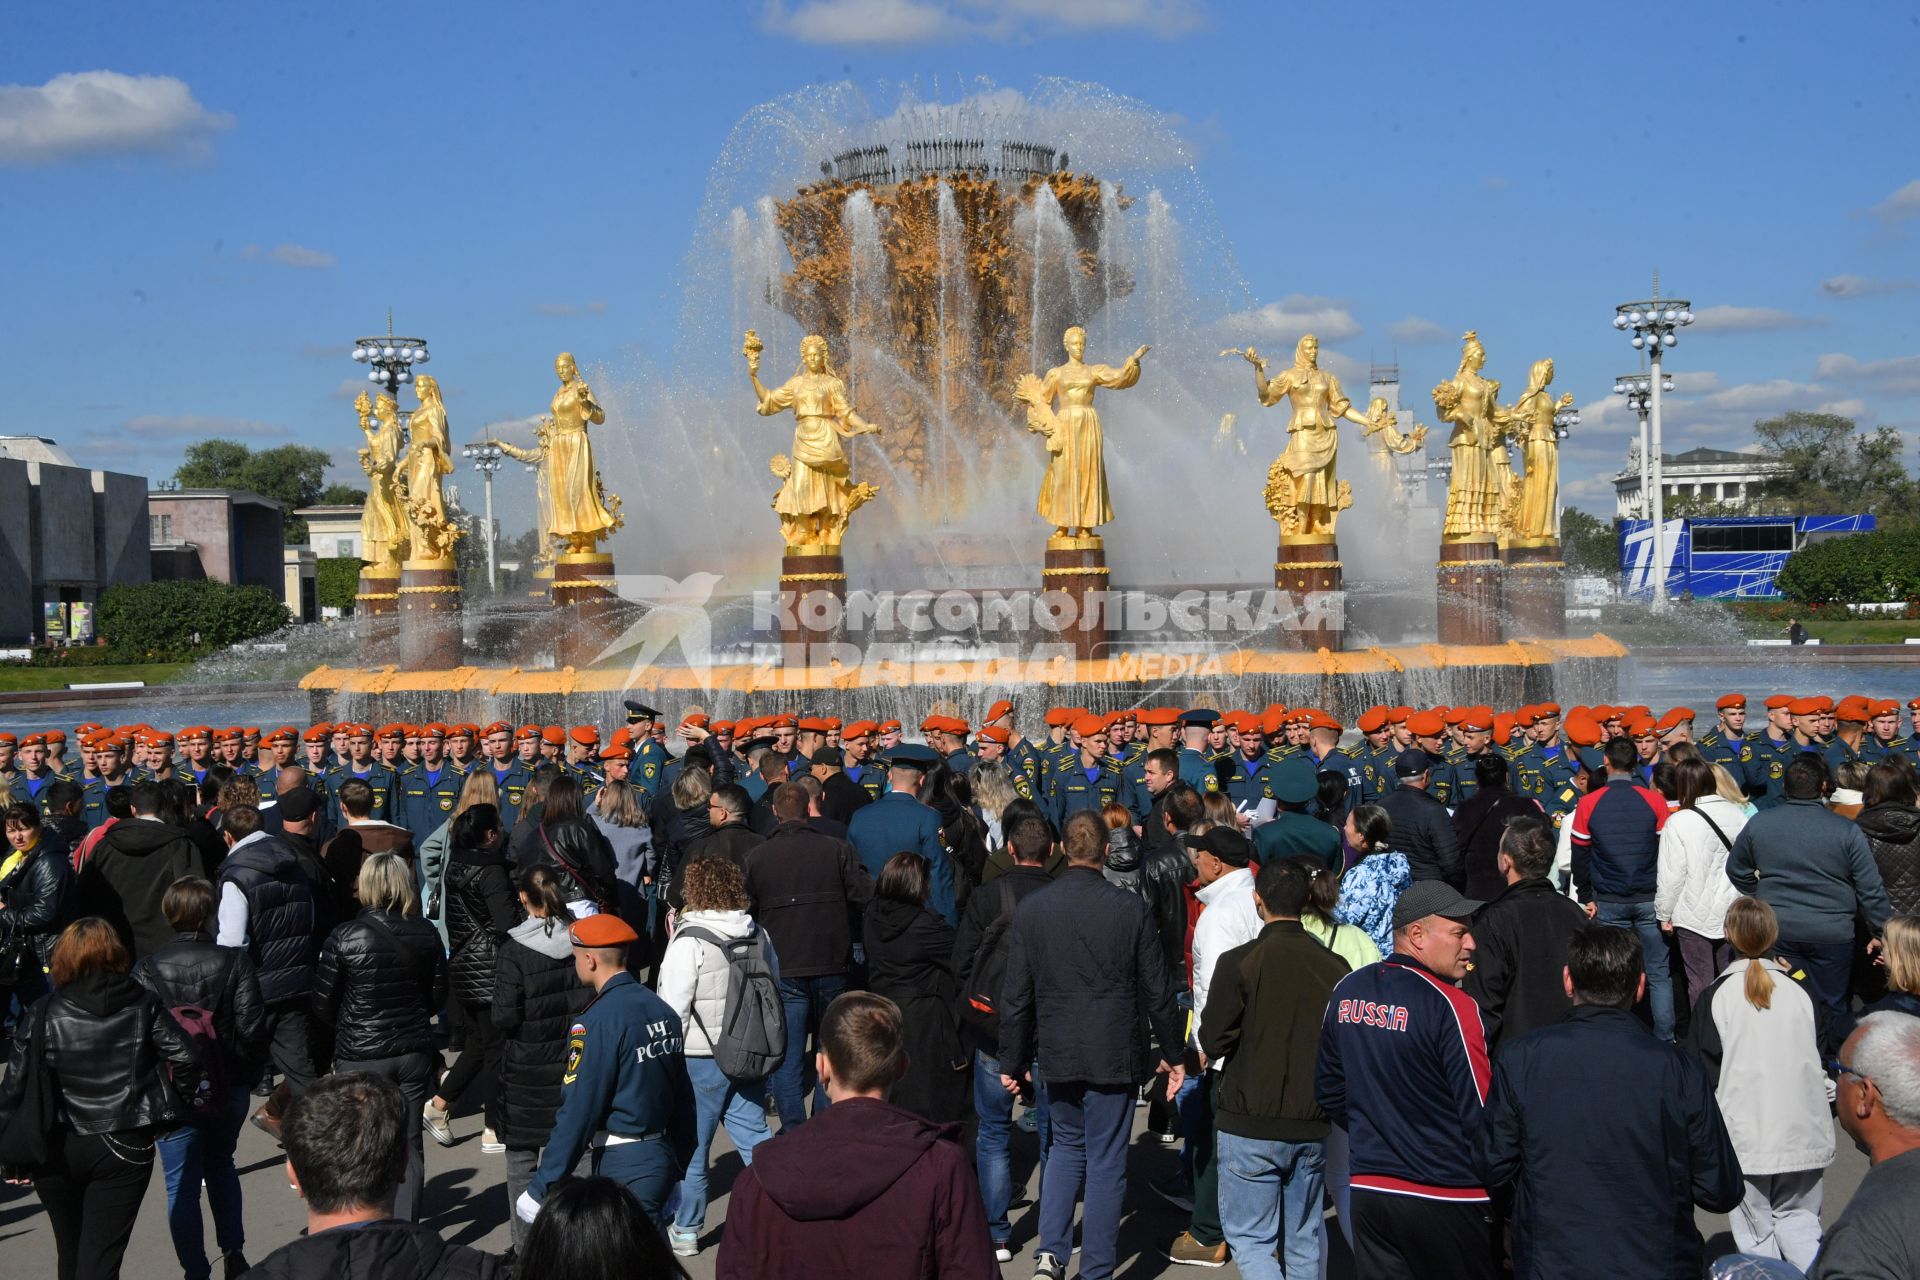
{"x":187,"y":615}
{"x":343,"y":495}
{"x":1861,"y":568}
{"x":1589,"y":544}
{"x":293,"y":475}
{"x":1830,"y":466}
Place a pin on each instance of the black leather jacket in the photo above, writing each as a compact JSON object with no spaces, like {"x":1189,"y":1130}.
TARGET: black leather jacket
{"x":36,"y":897}
{"x":191,"y":970}
{"x":108,"y":1041}
{"x":585,"y":850}
{"x":481,"y":907}
{"x":380,"y":980}
{"x":1164,"y":872}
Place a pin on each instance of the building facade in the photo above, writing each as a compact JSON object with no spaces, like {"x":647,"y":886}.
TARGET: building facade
{"x":225,"y":535}
{"x":1722,"y":476}
{"x":333,"y":530}
{"x":1722,"y":557}
{"x":67,"y":533}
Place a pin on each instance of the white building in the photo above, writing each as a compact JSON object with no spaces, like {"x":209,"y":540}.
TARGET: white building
{"x":1724,"y":476}
{"x":333,"y":530}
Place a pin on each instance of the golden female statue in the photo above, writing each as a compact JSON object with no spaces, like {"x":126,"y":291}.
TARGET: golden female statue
{"x":1073,"y":493}
{"x":383,"y":525}
{"x":582,"y":514}
{"x":428,"y":458}
{"x":1536,"y":516}
{"x":815,"y":498}
{"x":1472,"y":404}
{"x":1304,"y":493}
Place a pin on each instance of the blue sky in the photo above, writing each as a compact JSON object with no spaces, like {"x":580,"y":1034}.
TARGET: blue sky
{"x":193,"y":239}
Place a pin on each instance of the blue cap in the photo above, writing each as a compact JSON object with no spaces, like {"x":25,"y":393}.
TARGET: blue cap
{"x":914,"y":756}
{"x":1411,"y":763}
{"x":1199,"y":715}
{"x":1293,"y":780}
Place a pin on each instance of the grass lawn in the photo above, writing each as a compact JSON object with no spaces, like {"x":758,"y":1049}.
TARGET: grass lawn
{"x":19,"y":679}
{"x":1863,"y":630}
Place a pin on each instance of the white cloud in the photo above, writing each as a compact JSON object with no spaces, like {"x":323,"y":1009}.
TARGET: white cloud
{"x":1863,"y":286}
{"x":1415,"y":330}
{"x":912,"y":22}
{"x":1749,"y":319}
{"x":294,"y":255}
{"x":1901,"y":205}
{"x":1898,"y":376}
{"x":1298,"y":313}
{"x":84,"y":113}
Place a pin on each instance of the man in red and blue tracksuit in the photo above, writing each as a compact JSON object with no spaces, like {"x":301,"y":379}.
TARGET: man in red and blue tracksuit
{"x":1403,"y":1068}
{"x":1616,"y":867}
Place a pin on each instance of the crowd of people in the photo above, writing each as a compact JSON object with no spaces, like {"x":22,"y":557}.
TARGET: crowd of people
{"x":1521,"y":989}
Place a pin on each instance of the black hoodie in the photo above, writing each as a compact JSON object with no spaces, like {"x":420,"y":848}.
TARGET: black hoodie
{"x":384,"y":1250}
{"x":130,"y":869}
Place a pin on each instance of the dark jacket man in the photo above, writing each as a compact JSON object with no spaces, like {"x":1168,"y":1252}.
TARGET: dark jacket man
{"x":803,"y":885}
{"x":383,"y":1250}
{"x":1085,"y":976}
{"x":282,"y":916}
{"x":981,"y":910}
{"x":1642,"y":1103}
{"x":1813,"y":867}
{"x":130,"y":869}
{"x":1477,"y":827}
{"x":1424,"y":832}
{"x":1520,"y":939}
{"x":864,"y":1187}
{"x":1264,"y":1010}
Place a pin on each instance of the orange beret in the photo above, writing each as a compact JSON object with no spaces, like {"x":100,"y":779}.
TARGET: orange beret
{"x":584,"y":734}
{"x":616,"y":752}
{"x":552,"y":735}
{"x":1728,"y":701}
{"x":1476,"y":719}
{"x":889,"y":726}
{"x":498,"y":726}
{"x":1583,"y":731}
{"x":1674,"y":718}
{"x":56,"y":735}
{"x":1454,"y":716}
{"x":1854,"y":708}
{"x":34,"y":740}
{"x":1779,"y":700}
{"x":1503,"y":727}
{"x":1805,"y":707}
{"x":8,"y":739}
{"x":1088,"y":725}
{"x":814,"y":724}
{"x":603,"y":930}
{"x":1158,"y":716}
{"x":1372,"y":720}
{"x":998,"y":709}
{"x":1057,"y":717}
{"x":1548,"y":710}
{"x":858,"y":729}
{"x":721,"y":727}
{"x":1886,"y":707}
{"x":996,"y":733}
{"x":1427,"y":724}
{"x":782,"y":722}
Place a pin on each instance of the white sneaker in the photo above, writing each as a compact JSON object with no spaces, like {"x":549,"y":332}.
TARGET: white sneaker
{"x":436,"y":1122}
{"x":490,"y":1144}
{"x":1001,"y":1253}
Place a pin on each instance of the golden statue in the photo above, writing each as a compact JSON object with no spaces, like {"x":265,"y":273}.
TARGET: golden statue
{"x":429,"y":457}
{"x":1472,"y":404}
{"x":1303,"y":492}
{"x":815,"y":498}
{"x":1073,"y":493}
{"x":581,"y":513}
{"x":1536,"y":513}
{"x":536,"y":458}
{"x":383,"y":526}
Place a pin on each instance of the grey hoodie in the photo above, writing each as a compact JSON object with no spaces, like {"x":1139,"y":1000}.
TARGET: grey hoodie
{"x":554,"y":943}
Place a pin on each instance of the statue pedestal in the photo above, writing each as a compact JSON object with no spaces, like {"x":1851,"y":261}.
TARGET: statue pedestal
{"x":429,"y":615}
{"x":1470,"y":598}
{"x":813,"y":595}
{"x":1307,"y":570}
{"x":379,"y":593}
{"x":583,"y":595}
{"x":542,"y":588}
{"x":1536,"y":588}
{"x":1076,"y":568}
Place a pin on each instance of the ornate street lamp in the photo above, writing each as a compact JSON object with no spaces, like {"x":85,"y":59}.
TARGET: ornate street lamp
{"x":1638,"y":390}
{"x":486,"y":457}
{"x":390,"y":359}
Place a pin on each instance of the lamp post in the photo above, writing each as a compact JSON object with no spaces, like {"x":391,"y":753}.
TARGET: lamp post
{"x":390,"y":361}
{"x":1564,"y":421}
{"x":1637,"y":389}
{"x":486,"y":457}
{"x":1655,"y":325}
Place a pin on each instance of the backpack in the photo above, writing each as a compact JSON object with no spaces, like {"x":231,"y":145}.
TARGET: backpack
{"x":986,"y":975}
{"x":201,"y":1088}
{"x":753,"y":1029}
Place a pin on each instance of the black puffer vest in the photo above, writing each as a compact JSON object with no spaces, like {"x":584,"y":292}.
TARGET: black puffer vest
{"x":280,"y":917}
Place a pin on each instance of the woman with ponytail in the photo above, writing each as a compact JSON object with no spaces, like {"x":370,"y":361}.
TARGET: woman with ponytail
{"x":1755,"y":1030}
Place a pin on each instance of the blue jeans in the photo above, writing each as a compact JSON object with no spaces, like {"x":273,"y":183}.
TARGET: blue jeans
{"x":994,"y":1105}
{"x":647,"y":1169}
{"x":1269,"y":1198}
{"x":1639,"y":917}
{"x":189,"y":1155}
{"x":744,"y":1109}
{"x":1091,"y":1124}
{"x":806,"y":1001}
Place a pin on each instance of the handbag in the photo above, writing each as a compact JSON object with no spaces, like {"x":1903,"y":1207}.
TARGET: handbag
{"x":26,"y":1139}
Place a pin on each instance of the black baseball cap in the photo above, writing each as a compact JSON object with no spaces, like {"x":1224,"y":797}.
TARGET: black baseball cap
{"x":298,"y":804}
{"x":1411,"y":763}
{"x":1425,"y":898}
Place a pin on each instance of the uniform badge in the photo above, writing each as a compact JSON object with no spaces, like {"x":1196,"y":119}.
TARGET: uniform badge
{"x":1746,"y":755}
{"x":576,"y":1047}
{"x":446,"y":803}
{"x":1776,"y":770}
{"x":648,"y":770}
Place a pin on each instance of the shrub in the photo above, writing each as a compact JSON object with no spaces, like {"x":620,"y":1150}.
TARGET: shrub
{"x":1877,"y":566}
{"x":336,"y":580}
{"x":174,"y":616}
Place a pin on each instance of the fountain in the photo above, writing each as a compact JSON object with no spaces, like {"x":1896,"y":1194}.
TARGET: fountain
{"x":939,"y":250}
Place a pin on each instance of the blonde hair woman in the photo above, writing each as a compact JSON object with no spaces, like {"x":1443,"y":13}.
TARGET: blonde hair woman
{"x":381,"y":978}
{"x":1901,"y":956}
{"x":1755,"y":1030}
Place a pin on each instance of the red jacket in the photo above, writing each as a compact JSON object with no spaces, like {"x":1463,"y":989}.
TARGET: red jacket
{"x":862,"y":1189}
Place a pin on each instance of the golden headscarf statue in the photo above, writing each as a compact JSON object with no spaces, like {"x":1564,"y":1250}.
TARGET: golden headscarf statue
{"x":815,"y":497}
{"x":1534,"y":511}
{"x":1073,"y":493}
{"x":383,"y":523}
{"x":429,"y":456}
{"x":582,"y":512}
{"x":1471,"y":403}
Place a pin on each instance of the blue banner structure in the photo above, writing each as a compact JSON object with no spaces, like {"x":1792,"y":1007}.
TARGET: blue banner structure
{"x":1722,"y":557}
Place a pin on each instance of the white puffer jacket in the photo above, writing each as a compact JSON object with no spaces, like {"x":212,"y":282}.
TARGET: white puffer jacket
{"x":694,"y":972}
{"x":1767,"y":1075}
{"x":1693,"y":891}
